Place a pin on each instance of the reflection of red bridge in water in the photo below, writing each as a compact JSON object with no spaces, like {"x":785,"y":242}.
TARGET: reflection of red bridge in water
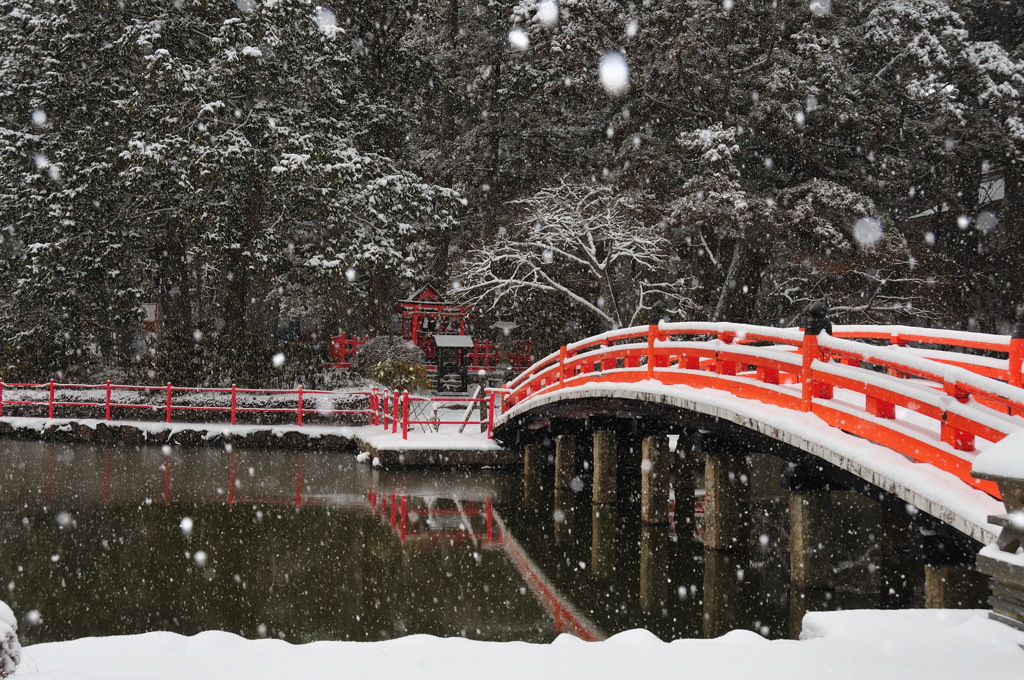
{"x":417,"y":519}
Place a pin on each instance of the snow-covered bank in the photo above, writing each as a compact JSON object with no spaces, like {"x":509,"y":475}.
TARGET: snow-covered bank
{"x":854,"y":645}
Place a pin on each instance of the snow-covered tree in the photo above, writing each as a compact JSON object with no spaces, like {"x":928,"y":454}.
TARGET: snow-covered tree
{"x":584,"y":247}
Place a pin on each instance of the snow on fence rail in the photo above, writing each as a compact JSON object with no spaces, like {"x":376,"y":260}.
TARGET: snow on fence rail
{"x":380,"y":407}
{"x":392,"y":411}
{"x":164,"y":401}
{"x":946,"y":397}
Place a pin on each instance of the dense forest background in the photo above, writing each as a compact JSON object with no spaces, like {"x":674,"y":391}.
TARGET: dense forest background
{"x":565,"y":165}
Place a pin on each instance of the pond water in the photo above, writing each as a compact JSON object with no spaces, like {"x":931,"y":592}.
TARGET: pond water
{"x":309,"y":546}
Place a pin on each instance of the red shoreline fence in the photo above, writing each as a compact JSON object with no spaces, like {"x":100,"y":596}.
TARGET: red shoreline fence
{"x":168,"y":407}
{"x":384,"y":408}
{"x":963,"y":396}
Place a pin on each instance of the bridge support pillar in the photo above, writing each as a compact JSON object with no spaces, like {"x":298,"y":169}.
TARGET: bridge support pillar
{"x":723,"y":578}
{"x":810,"y":556}
{"x":952,"y":587}
{"x":654,"y":475}
{"x":606,"y":466}
{"x":565,"y":461}
{"x":565,"y":514}
{"x":654,"y":583}
{"x":727,"y":503}
{"x":603,"y":540}
{"x":685,"y":466}
{"x":533,"y":460}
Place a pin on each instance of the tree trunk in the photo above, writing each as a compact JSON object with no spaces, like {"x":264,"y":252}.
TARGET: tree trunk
{"x":174,"y":295}
{"x":382,"y":298}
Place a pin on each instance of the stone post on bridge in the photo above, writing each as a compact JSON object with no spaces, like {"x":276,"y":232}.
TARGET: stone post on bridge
{"x":565,"y":461}
{"x":727,"y":503}
{"x":655,"y":467}
{"x":606,"y":466}
{"x":810,"y":524}
{"x":533,"y":460}
{"x":1003,"y":561}
{"x":685,"y":466}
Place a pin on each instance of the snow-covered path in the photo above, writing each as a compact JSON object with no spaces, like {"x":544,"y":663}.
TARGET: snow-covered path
{"x":853,"y":645}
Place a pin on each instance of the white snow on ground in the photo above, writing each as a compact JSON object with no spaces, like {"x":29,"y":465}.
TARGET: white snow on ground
{"x":448,"y":440}
{"x":853,"y":645}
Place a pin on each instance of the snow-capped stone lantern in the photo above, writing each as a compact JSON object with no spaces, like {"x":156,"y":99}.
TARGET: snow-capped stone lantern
{"x":1003,"y":561}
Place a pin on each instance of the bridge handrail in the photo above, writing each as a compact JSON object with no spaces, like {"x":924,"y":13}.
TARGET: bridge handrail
{"x":969,"y":396}
{"x":901,"y":335}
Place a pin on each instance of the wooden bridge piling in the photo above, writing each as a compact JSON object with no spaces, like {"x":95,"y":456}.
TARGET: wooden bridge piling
{"x":727,"y":503}
{"x":606,"y":466}
{"x":810,"y":555}
{"x":604,"y":540}
{"x":654,"y":475}
{"x":565,"y":461}
{"x":654,"y":560}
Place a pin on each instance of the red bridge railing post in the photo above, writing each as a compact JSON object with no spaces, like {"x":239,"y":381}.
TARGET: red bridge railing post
{"x":1,"y":398}
{"x":394,"y":416}
{"x":106,"y":410}
{"x":405,"y":423}
{"x":51,"y":398}
{"x":490,"y":415}
{"x":562,"y":353}
{"x":1016,"y":358}
{"x":299,"y":407}
{"x":652,"y":336}
{"x":234,"y":402}
{"x":815,"y":322}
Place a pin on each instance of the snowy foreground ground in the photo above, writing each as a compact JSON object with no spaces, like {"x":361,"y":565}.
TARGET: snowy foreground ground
{"x":861,"y":645}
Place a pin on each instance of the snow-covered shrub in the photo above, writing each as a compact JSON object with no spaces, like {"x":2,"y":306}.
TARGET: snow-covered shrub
{"x":386,"y":348}
{"x":401,"y":375}
{"x":10,"y":648}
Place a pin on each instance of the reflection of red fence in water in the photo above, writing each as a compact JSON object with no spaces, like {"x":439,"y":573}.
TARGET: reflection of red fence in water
{"x":450,"y":522}
{"x":417,"y":519}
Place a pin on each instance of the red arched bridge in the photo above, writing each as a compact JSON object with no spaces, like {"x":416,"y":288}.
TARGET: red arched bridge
{"x":905,"y":409}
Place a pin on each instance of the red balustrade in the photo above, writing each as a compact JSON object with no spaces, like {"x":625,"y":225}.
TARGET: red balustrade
{"x":925,"y":376}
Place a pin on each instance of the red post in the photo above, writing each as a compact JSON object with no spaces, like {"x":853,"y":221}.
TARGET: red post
{"x":394,"y":417}
{"x":405,"y":514}
{"x":405,"y":425}
{"x":374,"y":407}
{"x":652,"y":335}
{"x":562,"y":354}
{"x":810,"y":353}
{"x":300,"y":406}
{"x":490,"y":415}
{"x":107,"y":410}
{"x":1015,"y":361}
{"x":1,"y":398}
{"x":490,"y":521}
{"x":51,"y":397}
{"x":234,"y":402}
{"x":168,"y":402}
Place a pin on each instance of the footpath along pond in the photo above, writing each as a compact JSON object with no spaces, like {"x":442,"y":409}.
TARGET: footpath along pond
{"x":307,"y":546}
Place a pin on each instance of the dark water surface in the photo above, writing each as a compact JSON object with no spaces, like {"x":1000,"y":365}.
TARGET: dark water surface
{"x":309,"y":546}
